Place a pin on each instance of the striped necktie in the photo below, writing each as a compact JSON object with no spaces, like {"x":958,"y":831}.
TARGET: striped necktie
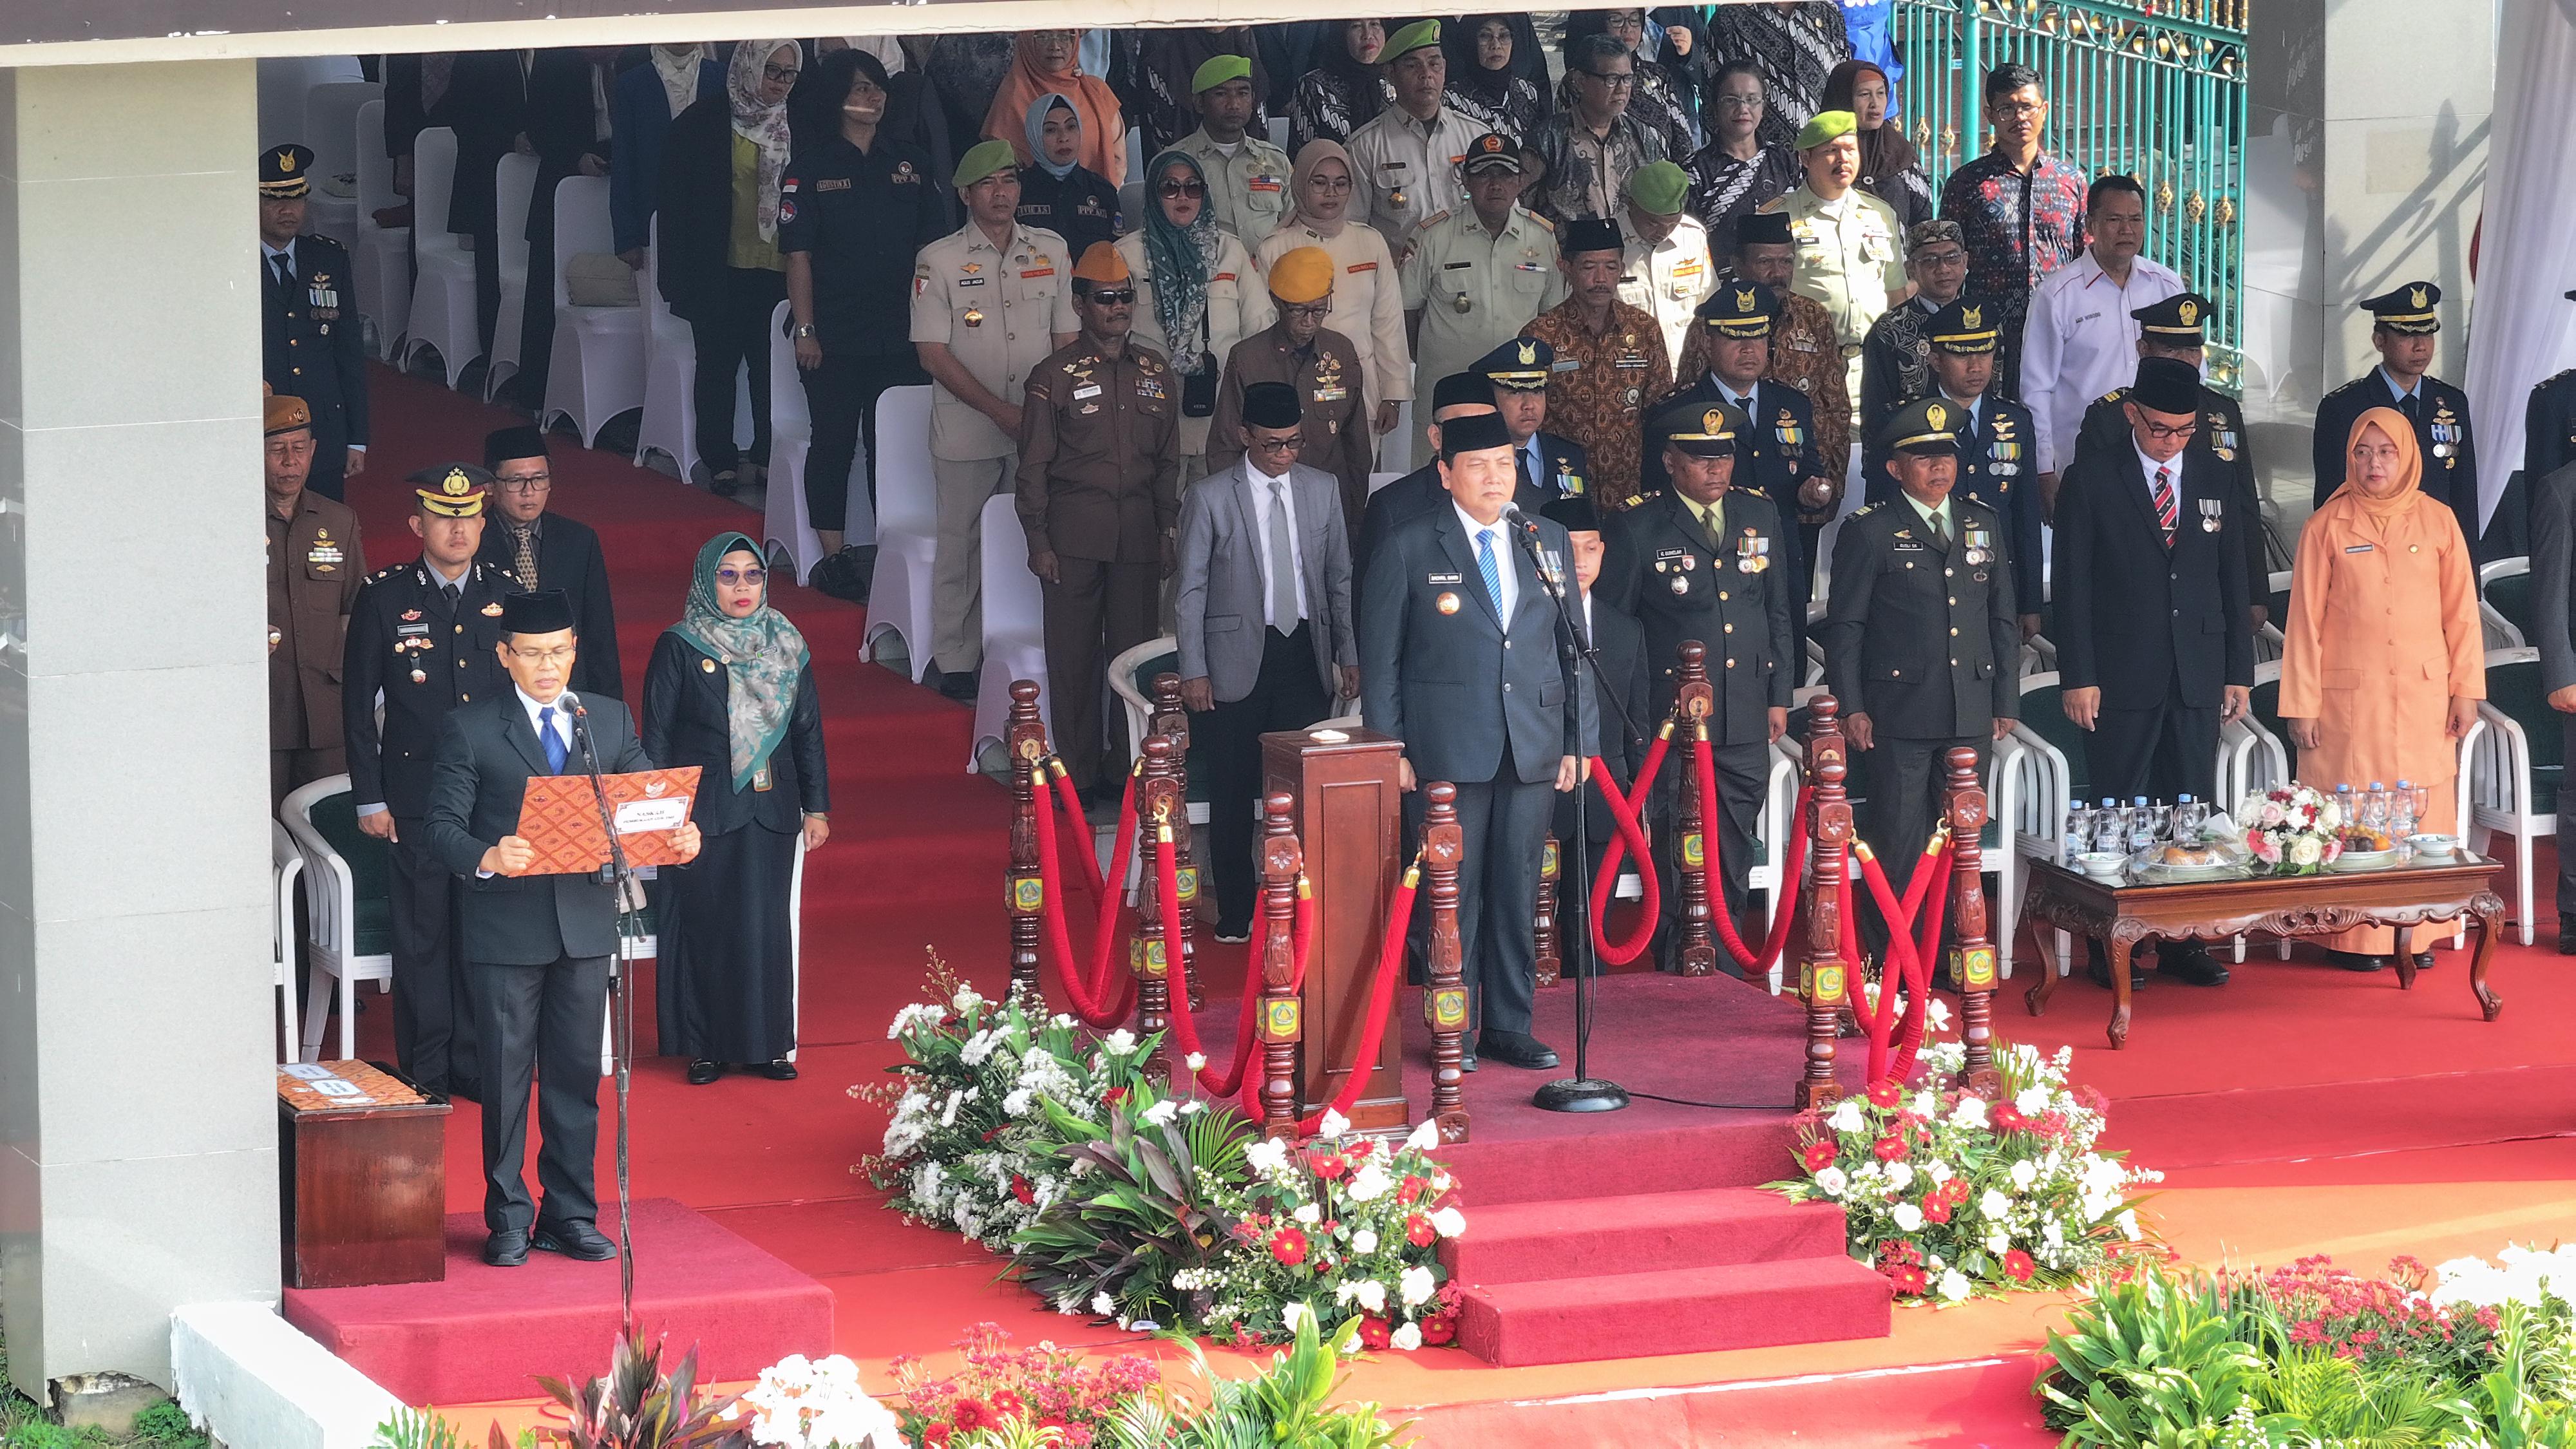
{"x":2168,"y":511}
{"x":1493,"y":570}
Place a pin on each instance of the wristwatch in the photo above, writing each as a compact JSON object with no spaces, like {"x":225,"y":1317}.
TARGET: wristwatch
{"x":802,"y":331}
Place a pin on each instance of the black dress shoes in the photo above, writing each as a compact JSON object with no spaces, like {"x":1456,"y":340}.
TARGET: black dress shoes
{"x":703,"y":1071}
{"x":2566,"y":947}
{"x":957,"y":684}
{"x":2358,"y":961}
{"x":1516,"y":1049}
{"x":2423,"y":960}
{"x":507,"y":1248}
{"x":2192,"y":967}
{"x":575,"y":1240}
{"x":1467,"y":1060}
{"x":2097,"y":969}
{"x":777,"y":1070}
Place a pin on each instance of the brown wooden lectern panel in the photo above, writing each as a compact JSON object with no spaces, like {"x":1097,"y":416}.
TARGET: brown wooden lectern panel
{"x":1344,"y":783}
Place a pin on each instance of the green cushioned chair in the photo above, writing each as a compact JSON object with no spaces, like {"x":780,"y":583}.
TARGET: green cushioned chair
{"x":2515,"y":760}
{"x":349,"y":906}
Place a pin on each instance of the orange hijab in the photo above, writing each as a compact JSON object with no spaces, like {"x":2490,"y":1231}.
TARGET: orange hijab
{"x":2410,"y":466}
{"x":1104,"y":127}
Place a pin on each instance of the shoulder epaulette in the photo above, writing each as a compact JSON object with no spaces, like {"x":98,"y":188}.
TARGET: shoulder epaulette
{"x":1434,"y":219}
{"x":2114,"y":395}
{"x":388,"y":571}
{"x":1863,"y":509}
{"x":2559,"y":377}
{"x":1542,"y":221}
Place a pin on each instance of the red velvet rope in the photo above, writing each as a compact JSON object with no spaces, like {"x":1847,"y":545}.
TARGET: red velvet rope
{"x":1185,"y":1028}
{"x":1926,"y":953}
{"x":1882,"y":1017}
{"x":1791,"y":859}
{"x":1390,"y":969}
{"x":1628,"y":838}
{"x":1088,"y":998}
{"x":1070,"y":801}
{"x":1906,"y":969}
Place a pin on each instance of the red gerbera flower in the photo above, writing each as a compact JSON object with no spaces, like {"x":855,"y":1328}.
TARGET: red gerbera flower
{"x":1020,"y":1189}
{"x":1410,"y":1189}
{"x":1006,"y":1403}
{"x":1374,"y":1332}
{"x":935,"y":1437}
{"x":1440,"y":1330}
{"x":1330,"y":1166}
{"x":969,"y":1415}
{"x":1818,"y":1156}
{"x":1884,"y":1092}
{"x":2006,"y":1117}
{"x":1418,"y":1231}
{"x":2018,"y":1266}
{"x":1288,"y":1245}
{"x":1936,"y":1210}
{"x":1888,"y":1148}
{"x":1908,"y":1278}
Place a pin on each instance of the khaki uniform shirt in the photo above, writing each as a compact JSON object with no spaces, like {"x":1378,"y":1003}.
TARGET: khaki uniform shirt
{"x":1408,"y":169}
{"x":1475,"y":290}
{"x":1602,"y":385}
{"x":1248,"y":190}
{"x":1368,"y":302}
{"x":314,"y":568}
{"x":1100,"y":458}
{"x":1849,"y":257}
{"x":1669,"y":280}
{"x":1238,"y":305}
{"x":999,"y":310}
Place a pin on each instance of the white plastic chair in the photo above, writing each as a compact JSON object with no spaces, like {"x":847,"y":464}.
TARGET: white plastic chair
{"x":382,"y":256}
{"x":514,"y":186}
{"x":670,"y":423}
{"x":2501,"y":632}
{"x":1396,"y":448}
{"x":331,"y":129}
{"x":785,"y":525}
{"x":2269,"y":642}
{"x":907,"y":527}
{"x":286,"y":863}
{"x":1014,"y":629}
{"x":597,"y":368}
{"x":442,"y":296}
{"x":283,"y":82}
{"x":331,"y":910}
{"x":2250,"y":756}
{"x":2497,"y":774}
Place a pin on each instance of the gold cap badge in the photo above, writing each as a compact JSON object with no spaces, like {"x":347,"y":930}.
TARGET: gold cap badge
{"x":1937,"y":416}
{"x":2188,"y":313}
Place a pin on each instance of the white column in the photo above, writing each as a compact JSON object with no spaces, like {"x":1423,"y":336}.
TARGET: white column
{"x":138,"y":1131}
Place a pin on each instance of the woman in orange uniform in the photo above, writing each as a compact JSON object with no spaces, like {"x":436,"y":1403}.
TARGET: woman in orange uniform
{"x":2384,"y":666}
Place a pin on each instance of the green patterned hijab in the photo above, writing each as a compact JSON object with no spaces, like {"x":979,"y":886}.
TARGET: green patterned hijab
{"x":762,"y":653}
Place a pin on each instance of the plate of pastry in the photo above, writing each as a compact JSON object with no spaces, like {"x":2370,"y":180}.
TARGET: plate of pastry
{"x":2180,"y":861}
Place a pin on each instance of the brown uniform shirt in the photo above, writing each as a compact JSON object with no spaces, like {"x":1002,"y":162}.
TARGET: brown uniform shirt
{"x":314,"y":568}
{"x":1602,"y":385}
{"x":1100,"y":454}
{"x":1326,"y":374}
{"x":1806,"y":355}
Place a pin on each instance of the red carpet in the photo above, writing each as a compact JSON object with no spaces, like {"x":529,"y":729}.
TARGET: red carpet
{"x":2299,"y":1109}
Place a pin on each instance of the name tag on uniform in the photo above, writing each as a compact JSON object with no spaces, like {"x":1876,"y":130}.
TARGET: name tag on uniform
{"x":1445,"y":579}
{"x":1088,"y":389}
{"x":1908,"y":548}
{"x":2359,"y":548}
{"x":1262,"y":183}
{"x":970,"y":281}
{"x":411,"y":629}
{"x":833,"y":183}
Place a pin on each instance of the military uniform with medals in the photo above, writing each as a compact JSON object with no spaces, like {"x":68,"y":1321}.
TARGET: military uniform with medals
{"x":309,"y":334}
{"x":1715,"y":573}
{"x":1921,"y":636}
{"x":315,"y":565}
{"x":1994,"y":438}
{"x":1778,"y":451}
{"x":2439,"y":411}
{"x":427,"y":651}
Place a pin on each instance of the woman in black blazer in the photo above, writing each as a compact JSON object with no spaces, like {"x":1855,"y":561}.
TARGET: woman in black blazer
{"x":730,"y":690}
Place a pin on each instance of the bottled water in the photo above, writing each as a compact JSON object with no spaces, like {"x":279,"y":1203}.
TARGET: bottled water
{"x":2142,"y":827}
{"x":2079,"y":830}
{"x":2374,"y":807}
{"x":2401,"y":809}
{"x":2343,"y":804}
{"x":2110,"y":827}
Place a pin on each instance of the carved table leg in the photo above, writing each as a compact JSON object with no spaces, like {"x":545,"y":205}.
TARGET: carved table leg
{"x":2489,"y":909}
{"x":2405,"y":958}
{"x":2123,"y":945}
{"x":2037,"y":996}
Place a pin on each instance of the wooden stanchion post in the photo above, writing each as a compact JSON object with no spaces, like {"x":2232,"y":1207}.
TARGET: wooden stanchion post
{"x":1972,"y":959}
{"x":1283,"y":876}
{"x":1171,"y":720}
{"x":1160,"y":811}
{"x":1551,"y":866}
{"x":1692,"y":704}
{"x":1821,"y":975}
{"x":1445,"y":1004}
{"x":1024,"y":880}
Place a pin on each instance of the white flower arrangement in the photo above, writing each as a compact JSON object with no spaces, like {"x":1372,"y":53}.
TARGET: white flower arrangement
{"x":803,"y":1403}
{"x":2531,"y":1277}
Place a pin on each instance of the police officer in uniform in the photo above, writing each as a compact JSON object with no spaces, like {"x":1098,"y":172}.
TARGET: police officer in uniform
{"x":1920,"y":635}
{"x":2406,"y":328}
{"x":309,"y":343}
{"x":1551,"y":466}
{"x":1993,"y":441}
{"x":314,"y":567}
{"x":1777,"y":453}
{"x":2174,"y":328}
{"x":1478,"y":274}
{"x":423,"y":634}
{"x":1707,"y":561}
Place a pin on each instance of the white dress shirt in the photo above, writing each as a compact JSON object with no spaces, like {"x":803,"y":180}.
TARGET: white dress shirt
{"x":1503,"y":565}
{"x":1263,"y":487}
{"x":2079,"y":342}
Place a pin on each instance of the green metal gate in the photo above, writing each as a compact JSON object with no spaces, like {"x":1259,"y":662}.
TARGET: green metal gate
{"x":2152,"y":88}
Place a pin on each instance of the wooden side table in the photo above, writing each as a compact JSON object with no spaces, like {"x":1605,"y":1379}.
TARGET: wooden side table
{"x":362,"y":1173}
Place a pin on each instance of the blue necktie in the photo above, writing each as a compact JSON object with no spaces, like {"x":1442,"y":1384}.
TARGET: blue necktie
{"x":556,"y":750}
{"x":1493,"y":571}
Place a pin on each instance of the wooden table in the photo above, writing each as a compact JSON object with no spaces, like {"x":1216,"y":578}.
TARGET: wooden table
{"x":2123,"y":915}
{"x":362,"y":1176}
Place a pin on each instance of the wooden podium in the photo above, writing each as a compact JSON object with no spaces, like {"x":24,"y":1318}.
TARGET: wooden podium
{"x":1346,"y":793}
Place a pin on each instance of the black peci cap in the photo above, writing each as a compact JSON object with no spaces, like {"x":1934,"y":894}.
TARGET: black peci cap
{"x":2166,"y":385}
{"x":546,"y":611}
{"x":1272,"y":405}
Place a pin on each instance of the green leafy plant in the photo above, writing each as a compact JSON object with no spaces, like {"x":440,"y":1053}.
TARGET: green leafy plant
{"x":426,"y":1429}
{"x":1288,"y":1405}
{"x":165,"y":1426}
{"x":1136,"y":1224}
{"x":2156,"y":1358}
{"x":637,"y":1406}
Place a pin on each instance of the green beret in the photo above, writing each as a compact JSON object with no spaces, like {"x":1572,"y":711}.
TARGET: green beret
{"x":1825,"y":127}
{"x":1659,"y":189}
{"x":984,"y":158}
{"x":1411,"y":38}
{"x":1218,"y":70}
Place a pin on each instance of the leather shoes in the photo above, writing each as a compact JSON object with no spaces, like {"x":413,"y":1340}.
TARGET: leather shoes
{"x":2357,"y":961}
{"x":1467,"y":1060}
{"x":507,"y":1248}
{"x":777,"y":1070}
{"x":2194,"y":967}
{"x":2423,"y":960}
{"x":959,"y":685}
{"x":2566,"y":947}
{"x":575,"y":1240}
{"x":703,"y":1071}
{"x":2097,"y":970}
{"x":1516,"y":1049}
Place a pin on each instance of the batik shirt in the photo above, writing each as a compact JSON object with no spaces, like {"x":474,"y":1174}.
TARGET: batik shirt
{"x":1602,"y":384}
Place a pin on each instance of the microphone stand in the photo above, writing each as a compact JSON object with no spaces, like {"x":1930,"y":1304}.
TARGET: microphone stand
{"x":1581,"y":1092}
{"x":621,"y":1010}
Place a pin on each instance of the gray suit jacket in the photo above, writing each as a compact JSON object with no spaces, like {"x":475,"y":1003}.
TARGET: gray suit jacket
{"x":2553,"y":557}
{"x":1218,"y":607}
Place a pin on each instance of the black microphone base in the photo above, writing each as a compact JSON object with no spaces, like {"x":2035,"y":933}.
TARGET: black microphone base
{"x":1580,"y":1094}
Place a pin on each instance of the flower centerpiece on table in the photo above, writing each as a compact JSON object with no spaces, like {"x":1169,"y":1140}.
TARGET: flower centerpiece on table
{"x":2291,"y":829}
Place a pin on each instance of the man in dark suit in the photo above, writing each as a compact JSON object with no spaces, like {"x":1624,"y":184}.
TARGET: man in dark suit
{"x":1459,"y":659}
{"x":2553,"y":575}
{"x":1776,"y":450}
{"x":1704,"y":560}
{"x":1419,"y":493}
{"x":1920,"y":636}
{"x":1618,"y":669}
{"x":2548,"y":434}
{"x":309,"y":342}
{"x":1993,"y":444}
{"x":421,"y":634}
{"x":2406,"y":327}
{"x":1551,"y":465}
{"x":544,"y":550}
{"x":536,"y":946}
{"x":2154,"y":652}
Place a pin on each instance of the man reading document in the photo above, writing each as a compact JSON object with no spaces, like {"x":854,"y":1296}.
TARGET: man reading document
{"x":536,"y":947}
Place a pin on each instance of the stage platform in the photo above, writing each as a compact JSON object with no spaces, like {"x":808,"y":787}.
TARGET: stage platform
{"x":2300,"y":1109}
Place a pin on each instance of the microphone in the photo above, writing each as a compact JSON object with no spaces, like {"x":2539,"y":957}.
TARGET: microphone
{"x":1512,"y":515}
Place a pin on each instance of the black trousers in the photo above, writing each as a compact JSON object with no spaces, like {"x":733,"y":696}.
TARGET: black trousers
{"x":540,"y":1023}
{"x":434,"y":1039}
{"x":734,"y":335}
{"x":1226,"y":741}
{"x":330,"y":453}
{"x":1742,"y":770}
{"x":842,"y":397}
{"x":1901,"y":804}
{"x":1808,"y":536}
{"x":1097,"y":612}
{"x":2566,"y":835}
{"x":2162,"y":752}
{"x":1502,"y":824}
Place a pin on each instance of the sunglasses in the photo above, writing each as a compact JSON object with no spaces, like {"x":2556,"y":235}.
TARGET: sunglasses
{"x":752,"y":576}
{"x":1184,"y":188}
{"x":1107,"y":297}
{"x":1288,"y":444}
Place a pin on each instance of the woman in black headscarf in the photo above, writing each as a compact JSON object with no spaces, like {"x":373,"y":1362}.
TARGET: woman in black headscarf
{"x":1485,"y":81}
{"x":1345,"y":92}
{"x":1889,"y":169}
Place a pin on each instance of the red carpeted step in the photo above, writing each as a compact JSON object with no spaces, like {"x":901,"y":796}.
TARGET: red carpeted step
{"x":1640,"y":1233}
{"x":1681,"y":1310}
{"x":1743,"y":1151}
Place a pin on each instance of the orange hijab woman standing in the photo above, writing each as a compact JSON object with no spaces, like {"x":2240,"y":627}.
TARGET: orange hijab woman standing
{"x":2384,"y":664}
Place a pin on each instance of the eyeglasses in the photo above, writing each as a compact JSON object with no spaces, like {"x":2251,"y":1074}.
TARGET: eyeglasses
{"x":752,"y":576}
{"x":560,"y":654}
{"x":2163,"y":434}
{"x":1949,"y":257}
{"x":1309,"y":309}
{"x":1739,"y":103}
{"x":1054,"y":35}
{"x":2017,"y":108}
{"x":1617,"y":80}
{"x":1330,"y":183}
{"x":1288,"y":444}
{"x":1112,"y":297}
{"x":526,"y":482}
{"x":1183,"y":188}
{"x":775,"y":73}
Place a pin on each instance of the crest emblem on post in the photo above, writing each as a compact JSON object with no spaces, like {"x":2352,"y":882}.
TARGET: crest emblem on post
{"x":2188,"y":313}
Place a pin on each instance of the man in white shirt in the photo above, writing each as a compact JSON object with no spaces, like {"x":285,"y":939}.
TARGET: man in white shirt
{"x":2078,"y":340}
{"x":1407,"y":156}
{"x":1668,"y":272}
{"x":1262,"y":615}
